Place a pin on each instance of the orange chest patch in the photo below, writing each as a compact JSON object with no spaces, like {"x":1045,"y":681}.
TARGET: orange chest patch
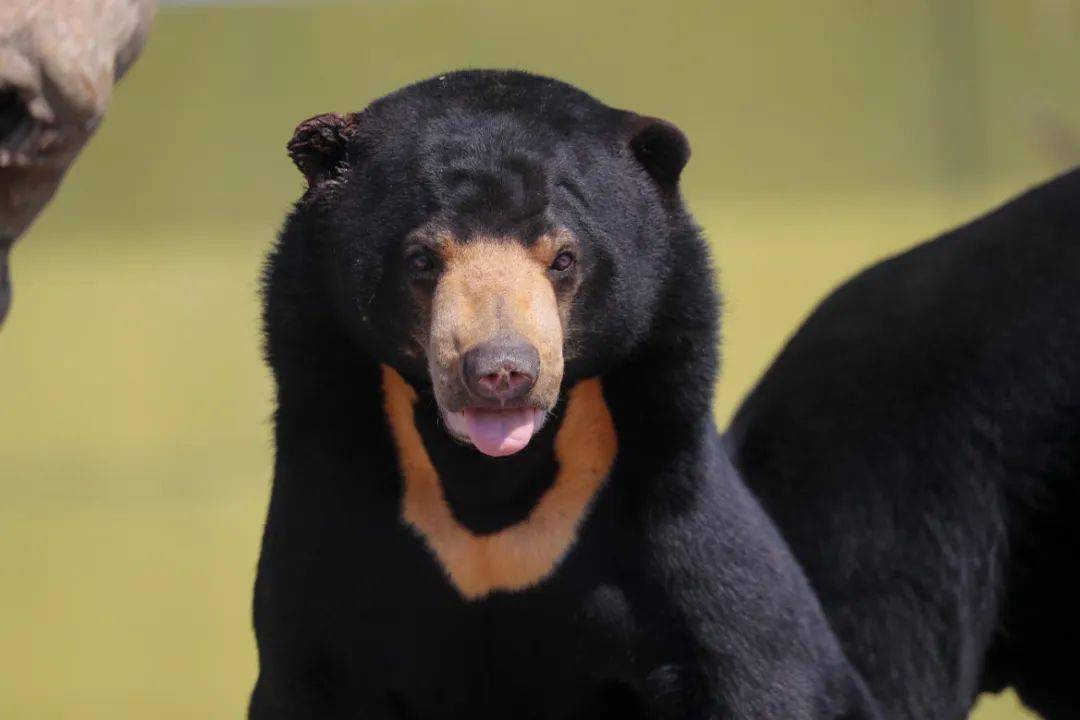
{"x":524,"y":554}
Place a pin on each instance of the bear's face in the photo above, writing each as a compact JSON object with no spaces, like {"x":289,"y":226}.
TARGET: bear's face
{"x":493,"y":237}
{"x":491,"y":314}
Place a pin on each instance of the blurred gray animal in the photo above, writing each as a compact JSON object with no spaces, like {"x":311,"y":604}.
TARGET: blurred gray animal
{"x":59,"y":60}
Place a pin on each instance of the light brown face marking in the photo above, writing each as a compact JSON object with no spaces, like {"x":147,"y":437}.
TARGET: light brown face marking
{"x":490,"y":288}
{"x":521,"y":555}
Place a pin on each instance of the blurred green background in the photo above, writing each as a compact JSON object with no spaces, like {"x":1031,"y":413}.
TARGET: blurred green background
{"x":135,"y":447}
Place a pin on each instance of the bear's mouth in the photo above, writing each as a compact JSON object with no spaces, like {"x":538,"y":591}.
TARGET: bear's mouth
{"x":496,"y":432}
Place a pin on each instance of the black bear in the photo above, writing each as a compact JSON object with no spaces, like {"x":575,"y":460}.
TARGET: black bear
{"x":498,"y":490}
{"x":918,"y":443}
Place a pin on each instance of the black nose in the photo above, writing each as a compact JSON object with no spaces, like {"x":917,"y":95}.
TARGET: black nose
{"x":503,"y":369}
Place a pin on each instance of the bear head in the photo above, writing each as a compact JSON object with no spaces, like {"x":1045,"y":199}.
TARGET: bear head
{"x":492,"y":236}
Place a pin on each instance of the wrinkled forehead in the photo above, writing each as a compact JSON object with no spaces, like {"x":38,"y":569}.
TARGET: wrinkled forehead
{"x":490,"y":172}
{"x":493,"y":178}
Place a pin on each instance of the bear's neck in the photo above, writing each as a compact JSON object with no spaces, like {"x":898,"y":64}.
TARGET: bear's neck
{"x":500,"y":524}
{"x":662,"y":396}
{"x":486,"y":495}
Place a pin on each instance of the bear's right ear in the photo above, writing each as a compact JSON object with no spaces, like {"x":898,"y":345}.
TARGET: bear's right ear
{"x":318,"y":145}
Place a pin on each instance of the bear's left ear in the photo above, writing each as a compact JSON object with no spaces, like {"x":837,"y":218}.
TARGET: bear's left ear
{"x":660,"y":147}
{"x":318,"y":145}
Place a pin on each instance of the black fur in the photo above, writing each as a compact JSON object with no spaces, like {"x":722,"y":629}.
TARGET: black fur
{"x":678,"y":600}
{"x":918,"y":442}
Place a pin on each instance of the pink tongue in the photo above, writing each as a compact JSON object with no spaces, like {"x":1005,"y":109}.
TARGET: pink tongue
{"x":500,"y":432}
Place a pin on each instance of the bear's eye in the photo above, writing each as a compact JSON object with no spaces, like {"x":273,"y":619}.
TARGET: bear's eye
{"x":563,"y":261}
{"x":420,"y":261}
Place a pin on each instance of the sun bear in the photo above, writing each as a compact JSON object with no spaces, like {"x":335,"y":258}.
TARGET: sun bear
{"x":498,"y":490}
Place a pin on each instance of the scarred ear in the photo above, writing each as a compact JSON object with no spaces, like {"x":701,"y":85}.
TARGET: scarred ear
{"x":660,"y":147}
{"x":318,"y":145}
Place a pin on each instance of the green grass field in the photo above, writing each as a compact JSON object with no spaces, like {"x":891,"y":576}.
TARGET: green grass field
{"x":135,"y":445}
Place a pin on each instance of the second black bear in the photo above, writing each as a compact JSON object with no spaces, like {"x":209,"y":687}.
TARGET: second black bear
{"x":498,"y":490}
{"x":918,"y":442}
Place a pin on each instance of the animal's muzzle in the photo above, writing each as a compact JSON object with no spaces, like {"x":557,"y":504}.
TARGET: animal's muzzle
{"x":501,"y":371}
